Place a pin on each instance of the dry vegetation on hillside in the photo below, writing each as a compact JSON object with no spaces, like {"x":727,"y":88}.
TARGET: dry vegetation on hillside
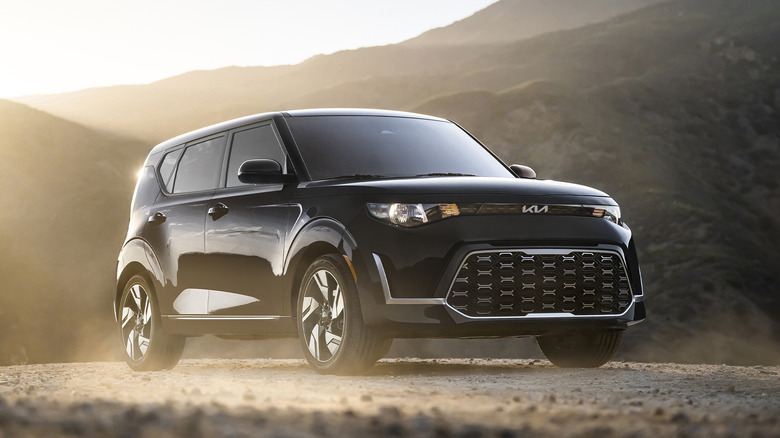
{"x":66,"y":196}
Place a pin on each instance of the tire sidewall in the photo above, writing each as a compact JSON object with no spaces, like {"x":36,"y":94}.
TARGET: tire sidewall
{"x":351,"y":305}
{"x":154,"y":332}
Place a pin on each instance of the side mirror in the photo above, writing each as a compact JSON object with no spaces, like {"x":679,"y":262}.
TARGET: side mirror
{"x":523,"y":171}
{"x":263,"y":171}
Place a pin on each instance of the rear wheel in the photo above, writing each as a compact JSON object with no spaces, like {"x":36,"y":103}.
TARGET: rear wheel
{"x":333,"y":336}
{"x":147,"y":347}
{"x":589,"y":349}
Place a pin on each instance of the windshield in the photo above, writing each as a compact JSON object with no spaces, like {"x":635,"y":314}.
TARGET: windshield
{"x":378,"y":147}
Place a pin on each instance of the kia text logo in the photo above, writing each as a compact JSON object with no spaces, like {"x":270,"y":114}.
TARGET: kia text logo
{"x":535,"y":209}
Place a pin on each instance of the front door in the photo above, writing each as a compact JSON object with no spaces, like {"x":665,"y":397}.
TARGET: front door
{"x":245,"y":232}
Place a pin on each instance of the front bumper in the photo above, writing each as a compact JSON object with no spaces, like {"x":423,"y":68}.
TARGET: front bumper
{"x":406,"y":291}
{"x":437,"y":317}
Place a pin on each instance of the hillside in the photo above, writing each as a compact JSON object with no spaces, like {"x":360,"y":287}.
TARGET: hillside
{"x":65,"y":197}
{"x":393,"y":76}
{"x":182,"y":103}
{"x":672,"y":109}
{"x":509,"y":21}
{"x":688,"y":141}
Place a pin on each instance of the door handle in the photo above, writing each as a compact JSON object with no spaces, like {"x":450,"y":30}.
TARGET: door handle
{"x":218,"y":211}
{"x":156,"y":218}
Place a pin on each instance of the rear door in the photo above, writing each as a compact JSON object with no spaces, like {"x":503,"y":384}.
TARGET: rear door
{"x":189,"y":175}
{"x":245,"y":231}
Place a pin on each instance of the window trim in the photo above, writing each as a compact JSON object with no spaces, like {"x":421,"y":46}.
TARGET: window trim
{"x":229,"y":149}
{"x":184,"y":146}
{"x":224,"y":165}
{"x":158,"y":165}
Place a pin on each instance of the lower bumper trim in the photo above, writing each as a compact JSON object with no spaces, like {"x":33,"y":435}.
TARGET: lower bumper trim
{"x":389,"y":297}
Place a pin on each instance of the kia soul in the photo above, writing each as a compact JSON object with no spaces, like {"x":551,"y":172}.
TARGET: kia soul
{"x":348,"y":228}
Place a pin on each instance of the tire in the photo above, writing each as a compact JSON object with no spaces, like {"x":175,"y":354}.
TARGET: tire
{"x":146,"y":346}
{"x":382,"y":347}
{"x":589,"y":349}
{"x":330,"y":324}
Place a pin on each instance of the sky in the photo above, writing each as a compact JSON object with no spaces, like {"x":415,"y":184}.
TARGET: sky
{"x":50,"y":46}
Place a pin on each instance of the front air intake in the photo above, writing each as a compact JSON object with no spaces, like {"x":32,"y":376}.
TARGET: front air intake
{"x":517,"y":283}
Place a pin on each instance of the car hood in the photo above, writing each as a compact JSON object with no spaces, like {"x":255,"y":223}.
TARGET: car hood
{"x":448,"y":189}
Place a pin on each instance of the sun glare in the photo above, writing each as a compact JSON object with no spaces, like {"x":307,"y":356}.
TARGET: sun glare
{"x":11,"y":85}
{"x":52,"y":46}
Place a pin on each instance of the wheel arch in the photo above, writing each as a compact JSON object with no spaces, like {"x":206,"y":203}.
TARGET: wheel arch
{"x":136,"y":258}
{"x":315,"y":239}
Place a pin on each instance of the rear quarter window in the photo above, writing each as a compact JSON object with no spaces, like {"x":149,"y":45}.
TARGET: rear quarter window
{"x":167,"y":166}
{"x":199,"y":166}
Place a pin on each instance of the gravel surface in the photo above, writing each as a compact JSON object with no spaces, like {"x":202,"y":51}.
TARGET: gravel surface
{"x":399,"y":397}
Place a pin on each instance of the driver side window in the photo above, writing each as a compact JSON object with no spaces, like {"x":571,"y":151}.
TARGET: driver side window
{"x":253,"y":143}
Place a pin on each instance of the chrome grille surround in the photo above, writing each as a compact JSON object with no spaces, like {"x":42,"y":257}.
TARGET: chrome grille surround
{"x":541,"y":283}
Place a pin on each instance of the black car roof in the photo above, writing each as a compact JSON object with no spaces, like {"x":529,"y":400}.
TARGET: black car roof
{"x":355,"y":112}
{"x":230,"y":124}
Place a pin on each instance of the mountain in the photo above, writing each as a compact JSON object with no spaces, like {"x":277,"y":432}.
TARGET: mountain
{"x":66,"y":193}
{"x":171,"y":106}
{"x":424,"y":66}
{"x":674,"y":111}
{"x":508,"y":21}
{"x":672,"y":108}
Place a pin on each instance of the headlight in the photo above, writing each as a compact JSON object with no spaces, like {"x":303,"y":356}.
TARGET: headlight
{"x":412,"y":215}
{"x":608,"y":212}
{"x":405,"y":215}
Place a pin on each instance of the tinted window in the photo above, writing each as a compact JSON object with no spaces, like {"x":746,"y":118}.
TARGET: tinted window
{"x":166,"y":168}
{"x":199,"y":166}
{"x":260,"y":142}
{"x":334,"y":146}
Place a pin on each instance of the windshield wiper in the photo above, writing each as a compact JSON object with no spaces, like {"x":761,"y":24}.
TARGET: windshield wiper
{"x":445,"y":174}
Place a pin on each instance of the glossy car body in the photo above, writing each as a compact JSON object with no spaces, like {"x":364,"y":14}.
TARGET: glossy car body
{"x":228,"y":259}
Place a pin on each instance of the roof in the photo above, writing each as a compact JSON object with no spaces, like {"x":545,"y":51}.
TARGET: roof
{"x":230,"y":124}
{"x":355,"y":112}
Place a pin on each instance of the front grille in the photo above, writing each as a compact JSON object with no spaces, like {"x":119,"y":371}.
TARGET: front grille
{"x":522,"y":282}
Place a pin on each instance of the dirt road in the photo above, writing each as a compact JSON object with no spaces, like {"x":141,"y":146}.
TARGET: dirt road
{"x":401,"y":397}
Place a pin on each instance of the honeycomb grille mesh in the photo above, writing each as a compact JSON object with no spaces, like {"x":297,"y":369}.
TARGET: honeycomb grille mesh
{"x":517,"y":283}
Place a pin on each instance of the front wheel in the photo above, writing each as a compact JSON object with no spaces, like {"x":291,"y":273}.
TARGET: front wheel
{"x":147,"y":347}
{"x":588,"y":349}
{"x":333,"y":336}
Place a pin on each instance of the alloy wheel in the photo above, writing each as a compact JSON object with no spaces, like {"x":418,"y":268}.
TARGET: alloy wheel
{"x":323,"y":317}
{"x":136,"y":322}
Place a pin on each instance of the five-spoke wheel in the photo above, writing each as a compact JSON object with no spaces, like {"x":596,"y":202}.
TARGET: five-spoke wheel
{"x":330,"y":322}
{"x":136,"y":322}
{"x":322,"y":317}
{"x":147,"y":347}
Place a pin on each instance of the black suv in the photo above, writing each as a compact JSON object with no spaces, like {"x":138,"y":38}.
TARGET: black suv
{"x":348,"y":228}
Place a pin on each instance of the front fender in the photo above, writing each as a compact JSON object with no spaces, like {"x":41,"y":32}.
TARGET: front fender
{"x":315,"y":238}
